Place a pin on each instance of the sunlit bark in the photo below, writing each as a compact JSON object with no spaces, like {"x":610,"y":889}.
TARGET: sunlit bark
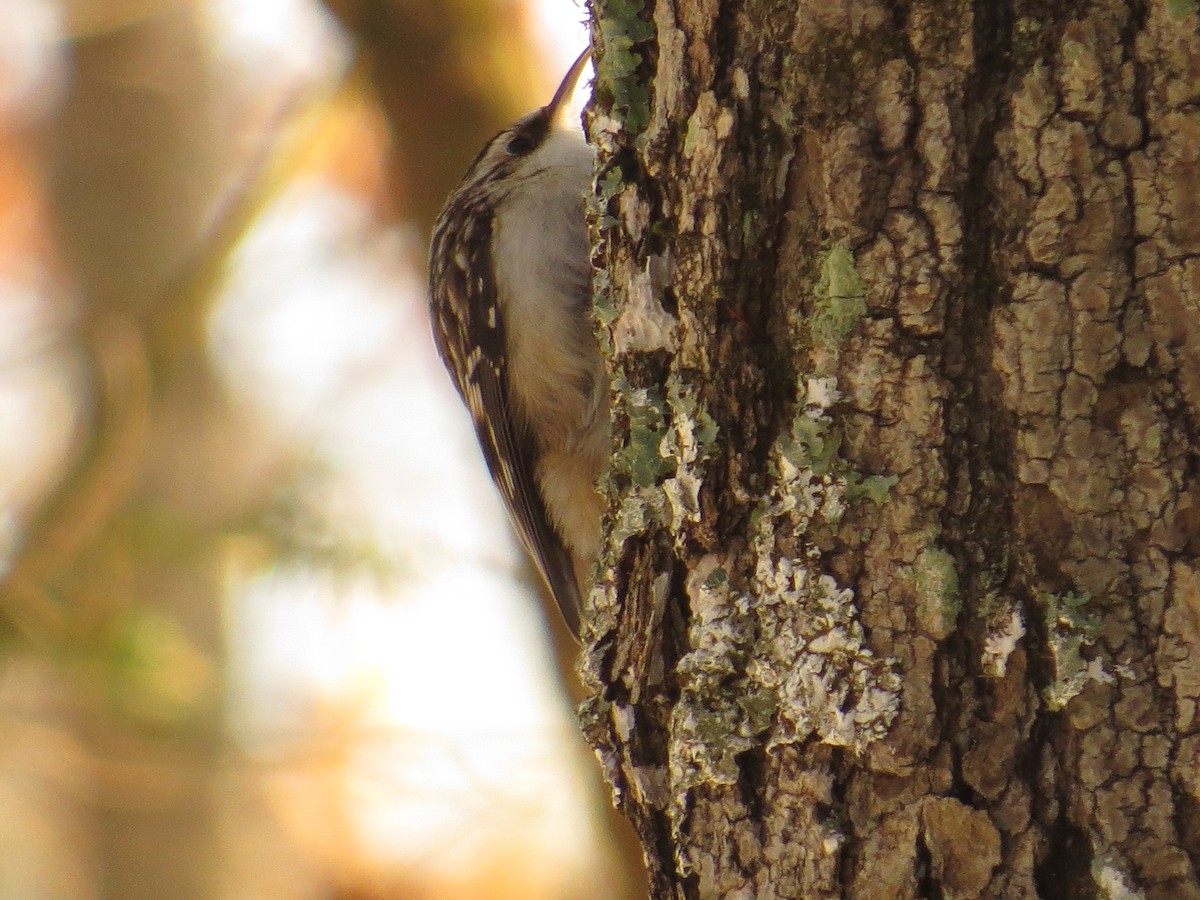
{"x":903,"y":307}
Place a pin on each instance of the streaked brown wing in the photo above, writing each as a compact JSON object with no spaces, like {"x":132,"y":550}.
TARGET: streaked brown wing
{"x":469,"y":331}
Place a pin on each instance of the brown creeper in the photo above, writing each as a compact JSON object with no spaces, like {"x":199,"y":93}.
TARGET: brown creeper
{"x":510,"y":296}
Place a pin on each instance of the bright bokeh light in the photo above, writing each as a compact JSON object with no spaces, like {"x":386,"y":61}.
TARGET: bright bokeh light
{"x":455,"y":752}
{"x":30,"y":70}
{"x":442,"y":666}
{"x":562,"y":34}
{"x":562,"y":31}
{"x":288,"y":39}
{"x":38,"y":388}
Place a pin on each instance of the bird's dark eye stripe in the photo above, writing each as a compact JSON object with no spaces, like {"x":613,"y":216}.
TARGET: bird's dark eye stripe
{"x":519,"y":144}
{"x":528,"y":134}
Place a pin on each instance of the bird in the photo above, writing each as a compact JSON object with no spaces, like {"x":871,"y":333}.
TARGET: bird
{"x":510,"y":278}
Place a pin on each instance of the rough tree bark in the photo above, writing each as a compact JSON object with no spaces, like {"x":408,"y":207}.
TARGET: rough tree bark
{"x":902,"y":302}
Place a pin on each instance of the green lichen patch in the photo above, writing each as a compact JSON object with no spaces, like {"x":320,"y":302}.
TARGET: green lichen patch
{"x":811,"y":443}
{"x":604,"y":306}
{"x":1181,"y":9}
{"x":641,"y":458}
{"x":840,"y":297}
{"x":875,"y":488}
{"x":655,"y":473}
{"x":1071,"y":627}
{"x":608,"y":188}
{"x":935,"y":578}
{"x":618,"y":85}
{"x":807,"y":464}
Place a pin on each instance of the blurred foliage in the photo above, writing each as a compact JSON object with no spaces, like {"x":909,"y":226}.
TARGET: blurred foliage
{"x":290,"y":530}
{"x":151,"y":671}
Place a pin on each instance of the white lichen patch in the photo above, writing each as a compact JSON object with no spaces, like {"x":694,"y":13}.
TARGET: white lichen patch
{"x":669,"y":437}
{"x":818,"y":395}
{"x":803,"y":460}
{"x":1071,"y":627}
{"x":811,"y":650}
{"x":785,"y":659}
{"x":1001,"y":643}
{"x":639,"y":508}
{"x":711,"y":724}
{"x":1113,"y":881}
{"x":1073,"y":677}
{"x":604,"y":132}
{"x":812,"y":656}
{"x":688,"y":442}
{"x":642,"y":324}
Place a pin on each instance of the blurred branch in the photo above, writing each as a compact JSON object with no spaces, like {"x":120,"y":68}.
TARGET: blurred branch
{"x":106,"y":467}
{"x":97,"y":484}
{"x":124,"y":778}
{"x":291,"y":134}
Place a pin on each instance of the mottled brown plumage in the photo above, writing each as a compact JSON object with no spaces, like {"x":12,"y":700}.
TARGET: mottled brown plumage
{"x":510,"y":297}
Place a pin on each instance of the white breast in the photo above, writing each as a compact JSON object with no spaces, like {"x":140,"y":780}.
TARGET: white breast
{"x":556,"y":378}
{"x":544,"y":281}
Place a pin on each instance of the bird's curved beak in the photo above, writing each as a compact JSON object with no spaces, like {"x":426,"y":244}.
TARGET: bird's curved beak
{"x":562,"y":96}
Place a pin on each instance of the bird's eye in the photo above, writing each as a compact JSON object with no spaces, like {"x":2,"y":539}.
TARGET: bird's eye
{"x":519,"y":145}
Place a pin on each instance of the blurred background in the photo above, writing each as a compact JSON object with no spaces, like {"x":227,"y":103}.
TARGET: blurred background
{"x":264,"y":632}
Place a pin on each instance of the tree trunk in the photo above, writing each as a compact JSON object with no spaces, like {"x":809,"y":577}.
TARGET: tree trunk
{"x":902,"y":302}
